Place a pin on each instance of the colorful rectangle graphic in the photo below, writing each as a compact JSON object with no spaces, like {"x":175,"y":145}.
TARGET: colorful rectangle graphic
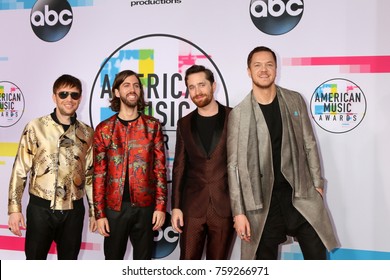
{"x":348,"y":64}
{"x":28,"y":4}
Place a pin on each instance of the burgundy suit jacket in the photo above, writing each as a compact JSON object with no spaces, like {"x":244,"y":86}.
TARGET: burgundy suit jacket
{"x":198,"y":177}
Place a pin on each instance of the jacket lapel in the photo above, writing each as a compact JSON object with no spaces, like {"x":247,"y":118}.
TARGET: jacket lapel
{"x":219,"y":125}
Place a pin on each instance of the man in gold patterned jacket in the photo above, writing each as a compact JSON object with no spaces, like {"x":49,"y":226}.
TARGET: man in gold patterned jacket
{"x":56,"y":152}
{"x":129,"y":184}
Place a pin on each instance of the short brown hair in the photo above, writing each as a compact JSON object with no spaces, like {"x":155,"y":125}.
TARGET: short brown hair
{"x":67,"y":80}
{"x":260,"y":49}
{"x":197,"y":69}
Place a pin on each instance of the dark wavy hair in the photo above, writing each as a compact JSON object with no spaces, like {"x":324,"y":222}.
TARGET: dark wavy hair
{"x":115,"y":102}
{"x":260,"y":49}
{"x":197,"y":69}
{"x":67,"y":81}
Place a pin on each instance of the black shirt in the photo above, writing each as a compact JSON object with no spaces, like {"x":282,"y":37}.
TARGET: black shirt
{"x":273,"y":119}
{"x":206,"y":127}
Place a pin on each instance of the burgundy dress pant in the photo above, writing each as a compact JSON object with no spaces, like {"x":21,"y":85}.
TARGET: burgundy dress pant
{"x":214,"y":231}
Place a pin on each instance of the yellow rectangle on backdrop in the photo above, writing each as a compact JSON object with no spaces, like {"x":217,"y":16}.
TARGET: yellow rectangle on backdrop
{"x":8,"y":149}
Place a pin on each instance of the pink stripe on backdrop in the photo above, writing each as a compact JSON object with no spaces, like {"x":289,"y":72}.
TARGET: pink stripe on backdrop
{"x":351,"y":64}
{"x":14,"y":243}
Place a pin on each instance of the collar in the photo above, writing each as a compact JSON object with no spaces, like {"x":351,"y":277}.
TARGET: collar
{"x":126,"y":122}
{"x":54,"y":117}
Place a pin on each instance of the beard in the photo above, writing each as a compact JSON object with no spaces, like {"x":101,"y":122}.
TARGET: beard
{"x":128,"y":103}
{"x":261,"y":83}
{"x":203,"y":102}
{"x":263,"y":86}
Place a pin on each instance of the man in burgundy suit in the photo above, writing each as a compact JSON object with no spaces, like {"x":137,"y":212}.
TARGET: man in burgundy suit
{"x":200,"y":195}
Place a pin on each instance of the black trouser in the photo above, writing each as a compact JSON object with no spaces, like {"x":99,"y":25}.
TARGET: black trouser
{"x":133,"y":222}
{"x":45,"y":226}
{"x":284,"y":219}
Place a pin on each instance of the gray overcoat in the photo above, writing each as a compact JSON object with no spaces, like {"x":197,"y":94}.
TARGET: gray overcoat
{"x":250,"y":171}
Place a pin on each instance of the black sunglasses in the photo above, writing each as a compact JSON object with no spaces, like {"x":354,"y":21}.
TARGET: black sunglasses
{"x":64,"y":94}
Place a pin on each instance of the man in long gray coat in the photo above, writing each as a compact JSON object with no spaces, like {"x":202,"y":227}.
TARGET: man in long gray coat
{"x":274,"y":169}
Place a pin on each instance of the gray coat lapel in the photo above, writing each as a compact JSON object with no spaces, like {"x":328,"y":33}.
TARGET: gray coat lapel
{"x":248,"y":160}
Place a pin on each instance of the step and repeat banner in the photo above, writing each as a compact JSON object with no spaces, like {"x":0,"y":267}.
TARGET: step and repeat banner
{"x":335,"y":52}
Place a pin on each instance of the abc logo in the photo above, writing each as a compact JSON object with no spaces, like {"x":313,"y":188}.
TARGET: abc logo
{"x":51,"y":20}
{"x":165,"y":239}
{"x":276,"y":17}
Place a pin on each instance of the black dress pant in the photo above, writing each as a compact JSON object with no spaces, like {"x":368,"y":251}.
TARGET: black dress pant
{"x":130,"y":222}
{"x":45,"y":226}
{"x":284,"y":219}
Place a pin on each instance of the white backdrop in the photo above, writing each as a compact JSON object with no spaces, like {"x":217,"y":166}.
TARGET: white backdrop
{"x":339,"y":40}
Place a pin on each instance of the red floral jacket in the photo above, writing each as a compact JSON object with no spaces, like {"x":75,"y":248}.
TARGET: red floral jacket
{"x":141,"y":145}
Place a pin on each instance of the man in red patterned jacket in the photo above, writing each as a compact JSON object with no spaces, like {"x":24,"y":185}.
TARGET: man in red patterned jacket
{"x":129,"y":184}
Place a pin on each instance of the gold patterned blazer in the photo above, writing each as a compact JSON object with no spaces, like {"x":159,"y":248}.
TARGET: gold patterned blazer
{"x":58,"y":162}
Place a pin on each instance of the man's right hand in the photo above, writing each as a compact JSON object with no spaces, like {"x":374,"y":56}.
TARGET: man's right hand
{"x":102,"y":227}
{"x":15,"y":221}
{"x":242,"y":226}
{"x":177,"y":220}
